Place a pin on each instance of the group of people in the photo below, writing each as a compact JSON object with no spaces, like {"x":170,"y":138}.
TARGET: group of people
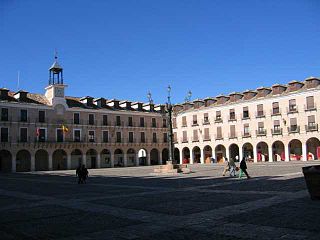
{"x":82,"y":174}
{"x":232,"y":168}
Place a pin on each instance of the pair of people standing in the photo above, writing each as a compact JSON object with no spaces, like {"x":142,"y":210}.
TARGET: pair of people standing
{"x":231,"y":167}
{"x":82,"y":173}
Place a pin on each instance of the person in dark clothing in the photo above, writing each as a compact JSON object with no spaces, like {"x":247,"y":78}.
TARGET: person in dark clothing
{"x":84,"y":173}
{"x":243,"y":168}
{"x":79,"y":175}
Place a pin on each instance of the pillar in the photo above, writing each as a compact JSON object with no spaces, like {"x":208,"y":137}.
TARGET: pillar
{"x":255,"y":154}
{"x":50,"y":161}
{"x":160,"y":158}
{"x":149,"y":158}
{"x":286,"y":153}
{"x":84,"y":159}
{"x":202,"y":156}
{"x":181,"y":157}
{"x":191,"y":157}
{"x":240,"y":153}
{"x":137,"y":160}
{"x":112,"y":160}
{"x":270,"y":153}
{"x":125,"y":159}
{"x":213,"y":152}
{"x":98,"y":160}
{"x":33,"y":163}
{"x":304,"y":151}
{"x":68,"y":161}
{"x":13,"y":163}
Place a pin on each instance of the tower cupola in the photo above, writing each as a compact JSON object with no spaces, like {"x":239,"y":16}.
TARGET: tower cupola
{"x":55,"y":72}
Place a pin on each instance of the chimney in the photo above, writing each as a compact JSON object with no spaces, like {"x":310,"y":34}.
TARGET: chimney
{"x":21,"y":95}
{"x":4,"y":93}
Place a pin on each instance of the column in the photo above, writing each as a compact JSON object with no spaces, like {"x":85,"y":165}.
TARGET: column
{"x":68,"y":161}
{"x":213,"y":152}
{"x":191,"y":157}
{"x":286,"y":153}
{"x":98,"y":160}
{"x":240,"y":153}
{"x":112,"y":160}
{"x":148,"y":158}
{"x":13,"y":163}
{"x":125,"y":159}
{"x":33,"y":163}
{"x":50,"y":161}
{"x":304,"y":151}
{"x":137,"y":160}
{"x":255,"y":154}
{"x":270,"y":153}
{"x":181,"y":157}
{"x":202,"y":156}
{"x":84,"y":159}
{"x":160,"y":158}
{"x":227,"y":153}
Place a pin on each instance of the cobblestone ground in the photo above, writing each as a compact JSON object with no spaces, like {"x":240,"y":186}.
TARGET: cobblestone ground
{"x":133,"y":203}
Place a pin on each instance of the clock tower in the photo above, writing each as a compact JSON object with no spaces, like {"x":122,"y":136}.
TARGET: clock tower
{"x":55,"y":89}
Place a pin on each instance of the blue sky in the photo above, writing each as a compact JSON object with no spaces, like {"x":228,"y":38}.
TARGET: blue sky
{"x":122,"y":49}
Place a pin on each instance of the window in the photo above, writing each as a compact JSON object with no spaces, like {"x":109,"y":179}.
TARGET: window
{"x":293,"y":125}
{"x":42,"y":116}
{"x":130,"y":137}
{"x":118,"y":120}
{"x":276,"y":125}
{"x":218,"y":116}
{"x":206,"y":134}
{"x":4,"y":114}
{"x":23,"y":115}
{"x":219,"y":133}
{"x":246,"y":130}
{"x":154,"y":123}
{"x":260,"y":112}
{"x":205,"y":118}
{"x":4,"y":134}
{"x":260,"y":127}
{"x":105,"y":120}
{"x":154,"y":137}
{"x":194,"y":120}
{"x":76,"y":135}
{"x":275,"y":108}
{"x":232,"y":131}
{"x":292,"y":105}
{"x":174,"y":122}
{"x":118,"y":135}
{"x":141,"y":122}
{"x":245,"y":112}
{"x":41,"y":134}
{"x":232,"y":115}
{"x":312,"y":123}
{"x":59,"y":135}
{"x":195,"y":135}
{"x":143,"y":137}
{"x":175,"y":137}
{"x":165,"y":137}
{"x":91,"y":119}
{"x":105,"y":136}
{"x":310,"y":102}
{"x":130,"y":122}
{"x":91,"y":136}
{"x":76,"y":118}
{"x":184,"y":121}
{"x":184,"y":137}
{"x":23,"y":134}
{"x":164,"y":122}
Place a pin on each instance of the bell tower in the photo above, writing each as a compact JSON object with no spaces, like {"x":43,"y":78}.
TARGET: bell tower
{"x":55,"y":89}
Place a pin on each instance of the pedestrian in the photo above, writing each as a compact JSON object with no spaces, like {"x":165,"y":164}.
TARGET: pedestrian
{"x":84,"y":173}
{"x":78,"y":174}
{"x":212,"y":160}
{"x":226,"y":167}
{"x":232,"y":168}
{"x":243,"y":168}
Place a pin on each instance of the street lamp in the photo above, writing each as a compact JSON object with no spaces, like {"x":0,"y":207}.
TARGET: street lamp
{"x":169,"y":116}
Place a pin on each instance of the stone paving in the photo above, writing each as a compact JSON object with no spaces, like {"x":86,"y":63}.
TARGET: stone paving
{"x":133,"y":203}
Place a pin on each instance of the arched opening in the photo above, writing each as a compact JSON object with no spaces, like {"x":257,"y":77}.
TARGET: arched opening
{"x":59,"y":160}
{"x":118,"y":158}
{"x":313,"y":149}
{"x":262,"y":152}
{"x":23,"y":161}
{"x":295,"y":150}
{"x":5,"y":161}
{"x":142,"y":155}
{"x":196,"y":155}
{"x":176,"y":156}
{"x":154,"y":156}
{"x":234,"y":152}
{"x":165,"y":156}
{"x":131,"y":157}
{"x":41,"y":160}
{"x":247,"y":150}
{"x":186,"y":155}
{"x":76,"y":158}
{"x":220,"y":153}
{"x":278,"y":153}
{"x":105,"y":158}
{"x":207,"y":153}
{"x":91,"y":161}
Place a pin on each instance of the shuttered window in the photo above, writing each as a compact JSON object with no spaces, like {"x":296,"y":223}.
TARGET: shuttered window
{"x":232,"y":131}
{"x":311,"y":119}
{"x":260,"y":110}
{"x":195,"y":135}
{"x":275,"y":108}
{"x":194,"y":120}
{"x":310,"y":102}
{"x":184,"y":136}
{"x":219,"y":132}
{"x":184,"y":121}
{"x":206,"y":134}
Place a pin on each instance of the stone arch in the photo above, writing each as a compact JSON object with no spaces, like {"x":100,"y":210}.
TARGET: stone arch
{"x":5,"y":161}
{"x":247,"y":150}
{"x":154,"y":156}
{"x":196,"y":153}
{"x":176,"y":155}
{"x":118,"y":158}
{"x":59,"y":160}
{"x":23,"y":161}
{"x":165,"y":156}
{"x":220,"y":151}
{"x":207,"y":153}
{"x":76,"y":158}
{"x":186,"y":155}
{"x":313,"y":148}
{"x":131,"y":157}
{"x":234,"y":152}
{"x":91,"y":158}
{"x":142,"y":155}
{"x":295,"y":149}
{"x":262,"y":152}
{"x":105,"y":158}
{"x":41,"y":160}
{"x":278,"y":152}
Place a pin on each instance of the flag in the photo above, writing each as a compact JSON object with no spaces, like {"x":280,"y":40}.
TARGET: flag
{"x":64,"y":128}
{"x":38,"y":132}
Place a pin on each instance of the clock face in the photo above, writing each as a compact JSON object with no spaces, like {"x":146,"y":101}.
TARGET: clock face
{"x":58,"y":92}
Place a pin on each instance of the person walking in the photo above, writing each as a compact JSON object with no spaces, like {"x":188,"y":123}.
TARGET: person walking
{"x":232,"y":168}
{"x":226,"y":167}
{"x":78,"y":174}
{"x":243,"y":168}
{"x":84,"y":173}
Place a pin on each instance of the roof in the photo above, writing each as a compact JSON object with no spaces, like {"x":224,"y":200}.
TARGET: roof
{"x":55,"y":65}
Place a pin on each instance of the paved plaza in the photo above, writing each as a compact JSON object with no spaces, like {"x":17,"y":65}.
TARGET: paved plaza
{"x":134,"y":203}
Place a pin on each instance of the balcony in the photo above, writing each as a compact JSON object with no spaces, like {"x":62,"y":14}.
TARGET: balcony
{"x":310,"y":108}
{"x":184,"y":125}
{"x":232,"y":118}
{"x":218,"y":137}
{"x":194,"y":123}
{"x":261,"y":132}
{"x":218,"y":120}
{"x":184,"y":140}
{"x":205,"y":122}
{"x":276,"y":131}
{"x":311,"y":127}
{"x":275,"y":112}
{"x":195,"y":139}
{"x":292,"y":109}
{"x":207,"y":138}
{"x":233,"y":136}
{"x":245,"y":116}
{"x":260,"y":114}
{"x":294,"y":129}
{"x":246,"y":135}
